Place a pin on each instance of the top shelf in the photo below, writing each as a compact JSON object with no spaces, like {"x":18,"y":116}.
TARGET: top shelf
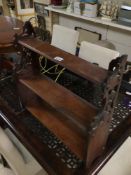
{"x":71,"y":62}
{"x":95,"y":20}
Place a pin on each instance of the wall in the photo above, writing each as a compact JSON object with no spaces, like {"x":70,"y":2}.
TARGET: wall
{"x":9,"y":12}
{"x":119,"y":1}
{"x":1,"y":3}
{"x":120,"y":38}
{"x":5,"y":8}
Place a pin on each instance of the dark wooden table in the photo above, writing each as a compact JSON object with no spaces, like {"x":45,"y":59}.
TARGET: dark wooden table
{"x":8,"y":28}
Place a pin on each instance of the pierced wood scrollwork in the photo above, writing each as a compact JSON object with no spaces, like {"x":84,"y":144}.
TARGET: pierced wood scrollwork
{"x":99,"y":128}
{"x":113,"y":84}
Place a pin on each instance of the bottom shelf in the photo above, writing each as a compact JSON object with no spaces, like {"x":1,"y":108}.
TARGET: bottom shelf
{"x":63,"y":129}
{"x":50,"y":152}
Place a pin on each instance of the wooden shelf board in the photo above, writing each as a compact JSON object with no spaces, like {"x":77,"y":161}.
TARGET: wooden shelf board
{"x":76,"y":109}
{"x":45,"y":156}
{"x":55,"y":123}
{"x":73,"y":63}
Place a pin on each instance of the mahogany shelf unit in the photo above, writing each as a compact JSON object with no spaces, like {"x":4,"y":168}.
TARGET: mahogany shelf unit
{"x":82,"y":127}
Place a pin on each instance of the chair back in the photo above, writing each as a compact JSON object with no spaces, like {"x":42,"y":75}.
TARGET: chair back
{"x":97,"y":54}
{"x":65,"y":38}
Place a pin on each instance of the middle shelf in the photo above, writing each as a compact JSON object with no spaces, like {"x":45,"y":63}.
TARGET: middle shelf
{"x":67,"y":115}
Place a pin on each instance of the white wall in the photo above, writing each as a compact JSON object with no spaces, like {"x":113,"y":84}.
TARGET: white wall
{"x":120,"y":1}
{"x":73,"y":22}
{"x":120,"y":38}
{"x":1,"y":3}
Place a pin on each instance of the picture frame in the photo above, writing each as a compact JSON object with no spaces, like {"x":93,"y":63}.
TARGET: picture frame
{"x":24,"y":7}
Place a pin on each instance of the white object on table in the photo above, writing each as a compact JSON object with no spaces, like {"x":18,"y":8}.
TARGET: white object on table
{"x":120,"y":163}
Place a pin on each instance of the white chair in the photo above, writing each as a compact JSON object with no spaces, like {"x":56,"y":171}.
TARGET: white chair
{"x":65,"y":38}
{"x":97,"y":54}
{"x":15,"y":160}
